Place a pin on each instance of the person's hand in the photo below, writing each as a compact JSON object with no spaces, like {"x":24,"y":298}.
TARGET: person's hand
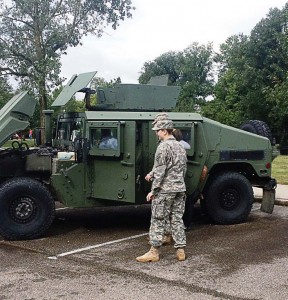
{"x":150,"y":197}
{"x":148,"y":177}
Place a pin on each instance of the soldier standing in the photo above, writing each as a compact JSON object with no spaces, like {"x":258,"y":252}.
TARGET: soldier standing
{"x":167,"y":192}
{"x":167,"y":238}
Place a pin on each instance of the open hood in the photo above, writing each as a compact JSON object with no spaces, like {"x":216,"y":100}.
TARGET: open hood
{"x":75,"y":84}
{"x":15,"y":114}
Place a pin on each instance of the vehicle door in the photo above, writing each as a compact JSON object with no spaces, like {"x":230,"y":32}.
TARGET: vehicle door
{"x":112,"y":160}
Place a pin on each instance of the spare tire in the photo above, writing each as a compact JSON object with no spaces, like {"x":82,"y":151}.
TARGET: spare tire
{"x":258,"y":127}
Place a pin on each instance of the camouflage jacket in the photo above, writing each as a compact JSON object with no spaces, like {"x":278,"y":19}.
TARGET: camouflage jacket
{"x":169,"y":167}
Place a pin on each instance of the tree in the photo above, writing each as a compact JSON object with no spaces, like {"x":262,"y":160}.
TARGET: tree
{"x":253,"y":73}
{"x":233,"y":82}
{"x":196,"y":76}
{"x":101,"y":82}
{"x":268,"y":60}
{"x":35,"y":33}
{"x":278,"y":115}
{"x":167,"y":63}
{"x":5,"y":91}
{"x":191,"y":69}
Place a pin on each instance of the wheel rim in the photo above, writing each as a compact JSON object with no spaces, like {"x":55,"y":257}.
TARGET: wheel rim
{"x":23,"y":210}
{"x":229,"y":199}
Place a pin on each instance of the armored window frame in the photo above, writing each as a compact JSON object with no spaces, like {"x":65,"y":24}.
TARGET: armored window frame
{"x":190,"y":129}
{"x":94,"y":128}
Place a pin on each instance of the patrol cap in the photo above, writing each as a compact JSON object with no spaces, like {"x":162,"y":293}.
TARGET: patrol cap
{"x":159,"y":117}
{"x":163,"y":124}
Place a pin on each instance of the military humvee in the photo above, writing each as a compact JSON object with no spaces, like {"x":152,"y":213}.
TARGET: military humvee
{"x":71,"y":167}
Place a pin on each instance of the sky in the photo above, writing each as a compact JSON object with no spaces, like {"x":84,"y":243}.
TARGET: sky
{"x":159,"y":26}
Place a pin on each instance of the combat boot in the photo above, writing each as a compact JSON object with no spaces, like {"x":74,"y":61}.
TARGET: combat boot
{"x":151,"y":255}
{"x":180,"y":254}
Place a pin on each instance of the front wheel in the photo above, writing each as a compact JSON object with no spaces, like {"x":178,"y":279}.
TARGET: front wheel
{"x":229,"y":198}
{"x":27,"y":209}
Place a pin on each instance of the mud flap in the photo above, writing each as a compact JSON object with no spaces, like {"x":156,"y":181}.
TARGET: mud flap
{"x":268,"y":201}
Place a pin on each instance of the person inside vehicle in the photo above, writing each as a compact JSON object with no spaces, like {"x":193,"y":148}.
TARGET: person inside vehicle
{"x":107,"y":140}
{"x":178,"y":136}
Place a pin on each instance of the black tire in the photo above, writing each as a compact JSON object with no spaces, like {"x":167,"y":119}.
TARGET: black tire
{"x":257,"y":127}
{"x":203,"y":206}
{"x":27,"y":209}
{"x":229,"y":198}
{"x":189,"y":211}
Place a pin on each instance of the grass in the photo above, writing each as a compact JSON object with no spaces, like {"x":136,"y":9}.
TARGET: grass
{"x":280,"y":169}
{"x":29,"y":142}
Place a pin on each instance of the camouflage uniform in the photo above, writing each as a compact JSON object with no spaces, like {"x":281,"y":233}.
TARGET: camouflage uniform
{"x":168,"y":186}
{"x":161,"y":117}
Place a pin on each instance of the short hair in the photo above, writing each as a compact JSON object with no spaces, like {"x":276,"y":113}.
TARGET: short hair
{"x":105,"y":132}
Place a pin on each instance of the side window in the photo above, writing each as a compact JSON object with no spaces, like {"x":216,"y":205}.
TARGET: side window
{"x":68,"y":131}
{"x":183,"y":136}
{"x":184,"y":133}
{"x":105,"y":140}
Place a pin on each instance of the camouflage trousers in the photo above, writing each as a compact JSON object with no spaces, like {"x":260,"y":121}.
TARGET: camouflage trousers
{"x":168,"y":208}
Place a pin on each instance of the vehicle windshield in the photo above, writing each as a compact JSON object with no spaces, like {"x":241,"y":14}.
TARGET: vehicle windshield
{"x":67,"y":130}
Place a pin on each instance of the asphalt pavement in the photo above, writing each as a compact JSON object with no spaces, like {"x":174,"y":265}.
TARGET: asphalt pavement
{"x":281,"y":194}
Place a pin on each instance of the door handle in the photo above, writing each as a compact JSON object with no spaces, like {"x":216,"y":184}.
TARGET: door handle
{"x":127,"y":164}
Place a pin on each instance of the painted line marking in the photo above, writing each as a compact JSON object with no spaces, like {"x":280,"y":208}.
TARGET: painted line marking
{"x":61,"y":208}
{"x":96,"y":246}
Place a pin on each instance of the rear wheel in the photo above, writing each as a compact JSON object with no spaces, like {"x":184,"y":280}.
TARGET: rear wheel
{"x":189,"y":211}
{"x":27,"y":209}
{"x":229,"y":198}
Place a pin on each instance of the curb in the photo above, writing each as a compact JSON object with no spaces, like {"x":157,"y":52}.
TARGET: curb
{"x":279,"y":201}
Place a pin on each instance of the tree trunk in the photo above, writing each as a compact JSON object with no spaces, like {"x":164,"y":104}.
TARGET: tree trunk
{"x":43,"y":105}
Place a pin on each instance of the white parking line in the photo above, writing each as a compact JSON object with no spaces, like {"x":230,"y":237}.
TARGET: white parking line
{"x":97,"y":246}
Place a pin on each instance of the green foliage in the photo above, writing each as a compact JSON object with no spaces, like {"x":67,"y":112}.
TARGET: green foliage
{"x":196,"y":80}
{"x":167,"y":63}
{"x":5,"y":91}
{"x":222,"y":113}
{"x":191,"y":69}
{"x":101,"y":82}
{"x":252,"y":81}
{"x":35,"y":33}
{"x":278,"y":116}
